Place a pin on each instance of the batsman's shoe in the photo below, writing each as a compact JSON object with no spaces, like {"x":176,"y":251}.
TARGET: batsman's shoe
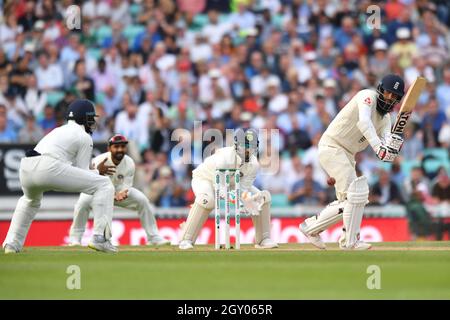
{"x":9,"y":249}
{"x":74,"y":242}
{"x":359,"y":245}
{"x":186,"y":245}
{"x":103,"y":246}
{"x":315,"y":240}
{"x":158,"y":241}
{"x":266,"y":244}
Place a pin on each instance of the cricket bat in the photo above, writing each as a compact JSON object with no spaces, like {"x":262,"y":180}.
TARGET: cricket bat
{"x":408,"y":104}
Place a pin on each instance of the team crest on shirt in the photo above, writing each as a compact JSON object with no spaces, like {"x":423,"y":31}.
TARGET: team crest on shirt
{"x":368,"y":101}
{"x":120,"y":176}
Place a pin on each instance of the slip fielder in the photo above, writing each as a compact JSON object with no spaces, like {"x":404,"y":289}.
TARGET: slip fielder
{"x":241,"y":156}
{"x":365,"y":120}
{"x":60,"y":162}
{"x":121,"y":169}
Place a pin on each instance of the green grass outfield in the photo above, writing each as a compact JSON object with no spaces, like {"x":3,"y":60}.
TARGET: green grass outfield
{"x":294,"y":271}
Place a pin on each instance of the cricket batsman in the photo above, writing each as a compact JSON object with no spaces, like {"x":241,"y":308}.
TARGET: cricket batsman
{"x":242,"y":156}
{"x":60,"y":162}
{"x":120,"y":169}
{"x":364,"y":121}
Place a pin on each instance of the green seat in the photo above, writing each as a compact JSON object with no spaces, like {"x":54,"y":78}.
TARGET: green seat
{"x":132,"y":31}
{"x":280,"y":200}
{"x":102,"y":33}
{"x":432,"y":165}
{"x":200,"y":20}
{"x":134,"y":9}
{"x":438,"y":153}
{"x":54,"y":97}
{"x":407,"y":165}
{"x":94,"y":53}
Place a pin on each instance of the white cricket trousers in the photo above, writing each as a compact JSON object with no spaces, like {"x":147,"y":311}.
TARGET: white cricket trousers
{"x":44,"y":173}
{"x":136,"y":201}
{"x":339,"y":164}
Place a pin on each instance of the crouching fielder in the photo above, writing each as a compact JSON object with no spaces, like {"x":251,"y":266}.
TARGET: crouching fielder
{"x":60,"y":162}
{"x":120,"y":168}
{"x":241,"y":156}
{"x":364,"y":121}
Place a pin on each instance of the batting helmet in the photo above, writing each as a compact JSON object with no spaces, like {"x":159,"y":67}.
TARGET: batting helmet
{"x":390,"y":83}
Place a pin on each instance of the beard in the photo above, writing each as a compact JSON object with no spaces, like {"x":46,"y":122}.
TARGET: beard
{"x":118,"y":156}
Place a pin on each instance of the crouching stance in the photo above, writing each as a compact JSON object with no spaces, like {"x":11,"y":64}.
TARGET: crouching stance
{"x":364,"y":121}
{"x":241,"y":156}
{"x":60,"y":162}
{"x":120,"y":168}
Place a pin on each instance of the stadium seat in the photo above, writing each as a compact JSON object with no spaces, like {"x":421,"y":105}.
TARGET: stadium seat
{"x":103,"y":33}
{"x":54,"y":97}
{"x":132,"y":31}
{"x":94,"y":53}
{"x":280,"y":200}
{"x":407,"y":165}
{"x":438,"y":153}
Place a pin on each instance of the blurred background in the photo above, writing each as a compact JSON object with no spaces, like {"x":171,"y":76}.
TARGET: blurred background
{"x":154,"y":66}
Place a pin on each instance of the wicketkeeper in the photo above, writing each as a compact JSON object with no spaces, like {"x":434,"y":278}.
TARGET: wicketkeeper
{"x":364,"y":121}
{"x":241,"y":156}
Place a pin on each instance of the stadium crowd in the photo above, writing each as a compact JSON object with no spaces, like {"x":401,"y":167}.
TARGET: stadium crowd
{"x":153,"y":66}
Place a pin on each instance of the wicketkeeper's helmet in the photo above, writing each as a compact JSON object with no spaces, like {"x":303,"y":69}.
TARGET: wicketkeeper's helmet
{"x":246,"y":141}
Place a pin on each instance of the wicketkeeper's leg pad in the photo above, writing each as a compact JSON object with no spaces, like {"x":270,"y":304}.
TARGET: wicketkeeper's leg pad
{"x":357,"y":198}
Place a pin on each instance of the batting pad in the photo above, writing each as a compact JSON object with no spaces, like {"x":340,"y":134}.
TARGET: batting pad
{"x":262,"y":224}
{"x":357,"y":198}
{"x":327,"y":217}
{"x":194,"y":223}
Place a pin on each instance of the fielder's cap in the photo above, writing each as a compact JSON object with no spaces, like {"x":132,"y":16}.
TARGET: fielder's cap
{"x":380,"y":44}
{"x":118,"y":139}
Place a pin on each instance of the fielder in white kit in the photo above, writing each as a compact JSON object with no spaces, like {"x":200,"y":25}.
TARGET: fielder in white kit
{"x":60,"y":162}
{"x":241,"y":156}
{"x":364,"y":121}
{"x":122,"y":169}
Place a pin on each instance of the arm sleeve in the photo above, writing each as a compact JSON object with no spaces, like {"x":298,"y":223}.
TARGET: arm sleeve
{"x":386,"y":127}
{"x":84,"y":154}
{"x":365,"y":125}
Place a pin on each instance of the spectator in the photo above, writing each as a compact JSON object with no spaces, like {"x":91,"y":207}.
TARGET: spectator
{"x":443,"y":91}
{"x":34,"y":99}
{"x":307,"y":190}
{"x":441,"y":187}
{"x":83,"y":84}
{"x":129,"y":125}
{"x":385,"y":191}
{"x":48,"y":123}
{"x":432,"y":123}
{"x":7,"y":133}
{"x":417,"y":185}
{"x":30,"y":133}
{"x":49,"y":76}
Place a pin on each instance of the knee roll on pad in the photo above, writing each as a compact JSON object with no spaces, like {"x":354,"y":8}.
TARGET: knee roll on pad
{"x":205,"y":200}
{"x":358,"y":191}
